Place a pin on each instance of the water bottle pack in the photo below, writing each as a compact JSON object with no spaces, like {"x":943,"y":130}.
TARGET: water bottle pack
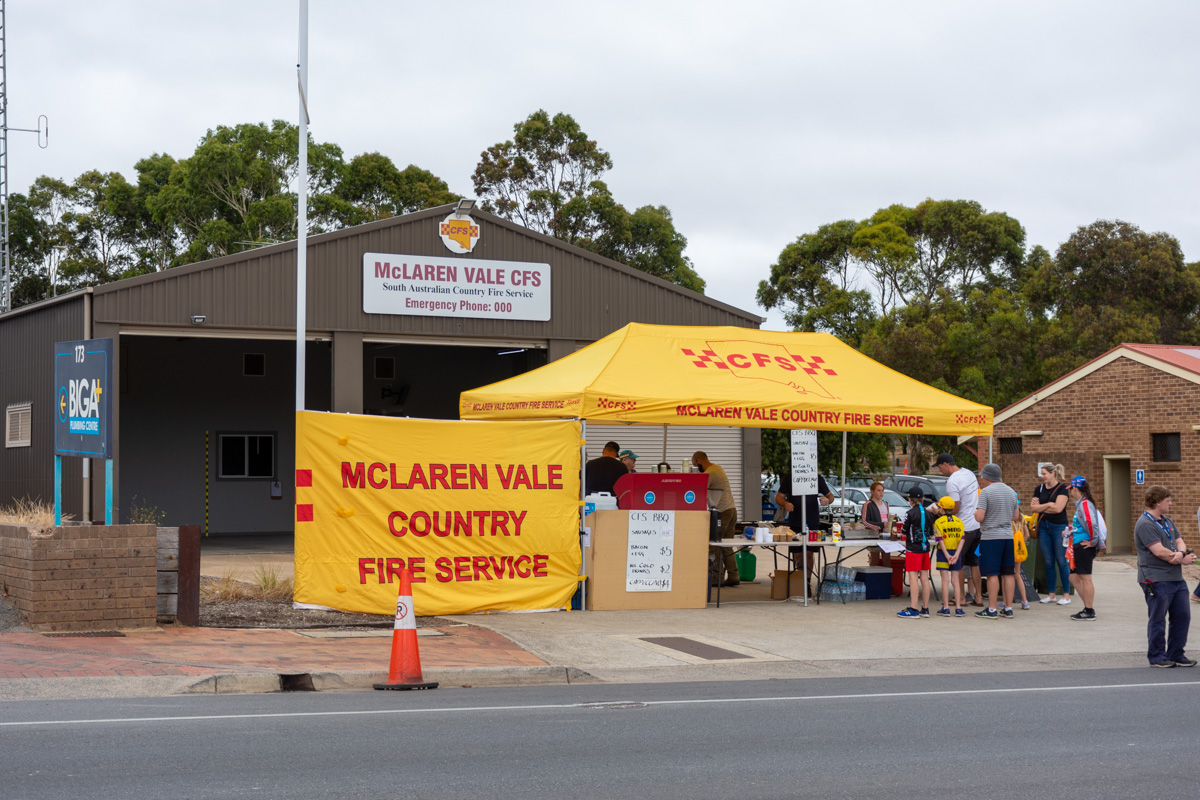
{"x":844,"y":574}
{"x":837,"y":591}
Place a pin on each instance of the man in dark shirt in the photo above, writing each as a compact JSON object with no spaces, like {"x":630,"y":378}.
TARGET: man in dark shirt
{"x":811,"y":511}
{"x":603,"y":472}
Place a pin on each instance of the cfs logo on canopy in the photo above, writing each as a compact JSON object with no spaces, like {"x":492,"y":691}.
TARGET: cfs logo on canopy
{"x":459,"y":233}
{"x":766,"y":362}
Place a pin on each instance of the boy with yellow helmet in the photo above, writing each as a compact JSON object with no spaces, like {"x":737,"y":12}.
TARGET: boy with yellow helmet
{"x":948,"y":537}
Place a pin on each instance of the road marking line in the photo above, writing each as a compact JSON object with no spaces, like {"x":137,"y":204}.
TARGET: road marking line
{"x":593,"y":704}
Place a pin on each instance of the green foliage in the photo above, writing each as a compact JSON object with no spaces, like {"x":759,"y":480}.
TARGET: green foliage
{"x":142,"y":513}
{"x":956,"y":302}
{"x":547,"y":178}
{"x":236,"y":191}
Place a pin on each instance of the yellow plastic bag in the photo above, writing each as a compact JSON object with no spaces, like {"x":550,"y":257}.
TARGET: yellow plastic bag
{"x":1020,"y":551}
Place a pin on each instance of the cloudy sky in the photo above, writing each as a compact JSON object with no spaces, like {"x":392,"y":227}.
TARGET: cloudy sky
{"x":754,"y":122}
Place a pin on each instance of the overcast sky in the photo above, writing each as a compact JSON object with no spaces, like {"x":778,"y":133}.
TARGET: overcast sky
{"x":753,"y":122}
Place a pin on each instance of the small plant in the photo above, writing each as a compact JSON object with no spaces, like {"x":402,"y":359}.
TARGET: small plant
{"x":269,"y":585}
{"x":266,"y":584}
{"x":29,"y":512}
{"x":142,"y":513}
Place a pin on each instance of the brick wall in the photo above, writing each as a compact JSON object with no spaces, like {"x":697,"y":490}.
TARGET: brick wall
{"x":1112,"y":411}
{"x":81,"y":577}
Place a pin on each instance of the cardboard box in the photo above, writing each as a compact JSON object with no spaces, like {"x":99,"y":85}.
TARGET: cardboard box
{"x":779,"y":584}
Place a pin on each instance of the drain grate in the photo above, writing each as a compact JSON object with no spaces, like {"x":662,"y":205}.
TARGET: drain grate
{"x":85,"y":635}
{"x":693,"y":648}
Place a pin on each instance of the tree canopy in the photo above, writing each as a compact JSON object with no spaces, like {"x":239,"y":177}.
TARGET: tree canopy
{"x":548,"y":178}
{"x":946,"y":293}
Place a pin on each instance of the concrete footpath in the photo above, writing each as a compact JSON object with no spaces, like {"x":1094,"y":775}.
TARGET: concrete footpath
{"x":748,"y":637}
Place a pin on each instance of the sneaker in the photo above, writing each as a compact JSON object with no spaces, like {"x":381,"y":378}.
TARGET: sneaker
{"x":1085,"y":616}
{"x":1007,"y":613}
{"x":988,"y":613}
{"x":1024,"y":605}
{"x":958,"y":612}
{"x":1046,"y":600}
{"x":1162,"y":664}
{"x":924,"y":612}
{"x":944,"y":612}
{"x":911,"y":613}
{"x":1185,"y":662}
{"x":1064,"y":601}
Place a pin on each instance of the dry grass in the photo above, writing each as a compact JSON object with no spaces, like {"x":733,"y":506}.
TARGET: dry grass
{"x":266,"y":584}
{"x":29,"y":512}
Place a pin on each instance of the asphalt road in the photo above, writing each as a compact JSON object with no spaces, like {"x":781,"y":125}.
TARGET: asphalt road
{"x":1087,"y":734}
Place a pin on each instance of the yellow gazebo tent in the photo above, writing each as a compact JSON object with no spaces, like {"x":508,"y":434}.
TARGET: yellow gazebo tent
{"x":740,"y":377}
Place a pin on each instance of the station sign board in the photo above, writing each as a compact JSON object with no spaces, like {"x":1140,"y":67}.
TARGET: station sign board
{"x":467,"y":288}
{"x":83,"y":386}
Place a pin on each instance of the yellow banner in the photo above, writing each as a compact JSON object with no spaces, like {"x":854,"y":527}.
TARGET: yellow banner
{"x":486,"y":514}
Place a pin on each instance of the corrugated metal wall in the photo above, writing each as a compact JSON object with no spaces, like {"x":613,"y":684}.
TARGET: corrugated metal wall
{"x":27,"y":376}
{"x":722,"y":445}
{"x":591,"y":296}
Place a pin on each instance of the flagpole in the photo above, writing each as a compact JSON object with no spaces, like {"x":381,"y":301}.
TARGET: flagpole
{"x":302,"y":209}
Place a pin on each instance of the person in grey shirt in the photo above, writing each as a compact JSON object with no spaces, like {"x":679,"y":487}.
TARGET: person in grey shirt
{"x":1161,"y":555}
{"x":996,"y":512}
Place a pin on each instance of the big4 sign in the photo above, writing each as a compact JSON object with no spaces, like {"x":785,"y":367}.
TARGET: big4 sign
{"x":83,"y":374}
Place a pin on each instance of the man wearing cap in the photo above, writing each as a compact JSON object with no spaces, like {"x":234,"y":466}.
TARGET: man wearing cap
{"x":603,"y":472}
{"x":962,"y":487}
{"x":718,"y":483}
{"x":996,"y":512}
{"x":629,"y":459}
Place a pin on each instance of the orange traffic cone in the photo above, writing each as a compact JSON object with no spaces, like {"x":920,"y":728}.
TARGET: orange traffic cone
{"x":405,"y":669}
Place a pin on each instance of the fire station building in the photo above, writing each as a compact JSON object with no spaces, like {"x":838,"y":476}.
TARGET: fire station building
{"x":402,"y":315}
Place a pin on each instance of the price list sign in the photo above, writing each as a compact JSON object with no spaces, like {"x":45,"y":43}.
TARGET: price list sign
{"x":651,"y":556}
{"x":804,"y":462}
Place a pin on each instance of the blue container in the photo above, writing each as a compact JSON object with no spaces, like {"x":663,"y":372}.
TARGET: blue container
{"x":878,"y":581}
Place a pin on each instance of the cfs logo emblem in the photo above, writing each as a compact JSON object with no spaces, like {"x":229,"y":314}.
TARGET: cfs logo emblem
{"x":79,"y":406}
{"x":766,"y":362}
{"x":459,"y":233}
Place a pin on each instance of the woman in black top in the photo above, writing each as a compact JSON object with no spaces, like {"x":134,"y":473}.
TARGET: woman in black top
{"x":1050,"y":503}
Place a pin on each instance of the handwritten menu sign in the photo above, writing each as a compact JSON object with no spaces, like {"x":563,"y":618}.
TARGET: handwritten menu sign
{"x":804,"y":462}
{"x":651,"y":557}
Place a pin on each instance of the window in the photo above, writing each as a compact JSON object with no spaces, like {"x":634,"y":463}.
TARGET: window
{"x":1010,"y":445}
{"x":247,"y":455}
{"x":17,"y":422}
{"x":254,"y":365}
{"x":385,"y":368}
{"x":1166,"y":447}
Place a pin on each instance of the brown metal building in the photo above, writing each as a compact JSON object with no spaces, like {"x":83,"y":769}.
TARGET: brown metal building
{"x":206,"y":365}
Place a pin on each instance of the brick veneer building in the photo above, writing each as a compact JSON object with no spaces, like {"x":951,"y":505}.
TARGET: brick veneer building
{"x":1137,"y":407}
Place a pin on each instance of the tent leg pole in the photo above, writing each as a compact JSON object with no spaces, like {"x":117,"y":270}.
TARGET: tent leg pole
{"x":582,"y":509}
{"x":990,"y":440}
{"x":664,"y":458}
{"x":843,"y":470}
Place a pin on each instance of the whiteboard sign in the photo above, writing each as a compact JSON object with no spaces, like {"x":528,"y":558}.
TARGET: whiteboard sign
{"x":651,"y":557}
{"x":804,"y":462}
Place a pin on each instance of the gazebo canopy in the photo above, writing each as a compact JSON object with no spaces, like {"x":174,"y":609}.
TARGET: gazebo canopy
{"x":741,"y":377}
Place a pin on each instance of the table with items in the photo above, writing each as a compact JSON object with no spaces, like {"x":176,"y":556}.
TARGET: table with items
{"x":836,"y":581}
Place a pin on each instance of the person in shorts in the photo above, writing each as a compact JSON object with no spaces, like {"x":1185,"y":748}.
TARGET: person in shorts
{"x":948,"y":539}
{"x":963,"y":489}
{"x":918,"y":532}
{"x":1087,"y":538}
{"x":997,"y":512}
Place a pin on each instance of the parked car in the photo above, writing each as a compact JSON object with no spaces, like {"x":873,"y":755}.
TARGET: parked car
{"x":849,"y":502}
{"x":932,"y":486}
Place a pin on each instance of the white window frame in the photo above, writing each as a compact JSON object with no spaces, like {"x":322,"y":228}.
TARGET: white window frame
{"x":12,"y":416}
